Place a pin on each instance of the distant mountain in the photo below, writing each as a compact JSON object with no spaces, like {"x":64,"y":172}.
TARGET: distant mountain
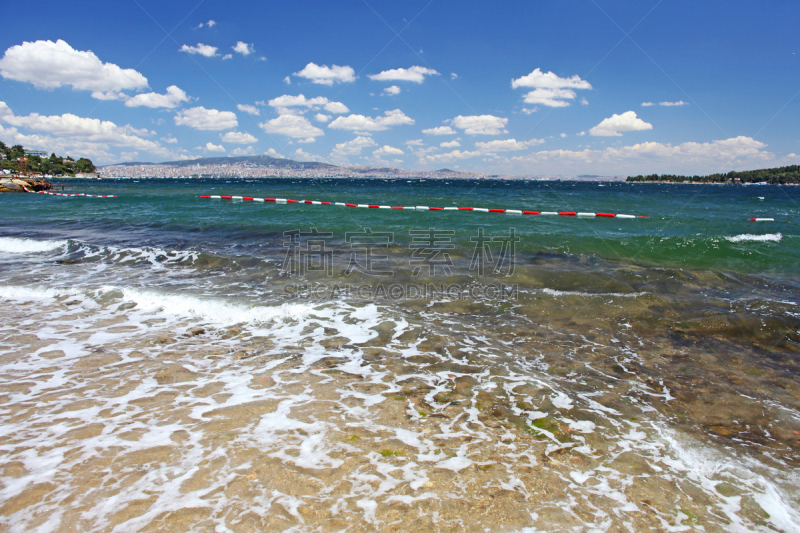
{"x":253,"y":164}
{"x":257,"y":160}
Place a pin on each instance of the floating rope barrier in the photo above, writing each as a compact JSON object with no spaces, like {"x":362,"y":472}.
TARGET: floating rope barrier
{"x":75,"y":194}
{"x":424,"y":207}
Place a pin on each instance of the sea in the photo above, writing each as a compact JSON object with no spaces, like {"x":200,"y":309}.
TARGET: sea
{"x":176,"y":363}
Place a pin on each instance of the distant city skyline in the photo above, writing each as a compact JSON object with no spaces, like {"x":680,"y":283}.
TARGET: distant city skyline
{"x":558,"y":89}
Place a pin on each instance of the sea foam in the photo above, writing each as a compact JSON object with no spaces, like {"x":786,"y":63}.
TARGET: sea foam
{"x":746,"y":237}
{"x":555,"y":292}
{"x":16,"y":245}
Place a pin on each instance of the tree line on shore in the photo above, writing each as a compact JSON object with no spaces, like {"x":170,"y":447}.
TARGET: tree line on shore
{"x":53,"y":165}
{"x":774,"y":176}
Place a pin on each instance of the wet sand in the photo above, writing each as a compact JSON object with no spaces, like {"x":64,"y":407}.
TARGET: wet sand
{"x":641,"y":407}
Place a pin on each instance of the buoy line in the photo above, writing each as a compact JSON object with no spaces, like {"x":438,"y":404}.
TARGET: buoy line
{"x":75,"y":194}
{"x":424,"y":207}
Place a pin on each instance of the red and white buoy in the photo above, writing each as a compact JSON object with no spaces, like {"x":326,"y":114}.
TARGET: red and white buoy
{"x":76,"y":194}
{"x":424,"y":207}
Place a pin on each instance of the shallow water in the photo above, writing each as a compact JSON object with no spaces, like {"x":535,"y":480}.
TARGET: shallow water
{"x":174,"y":364}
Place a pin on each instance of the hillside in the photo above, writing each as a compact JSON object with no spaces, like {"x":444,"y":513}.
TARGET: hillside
{"x":774,"y":176}
{"x":54,"y":165}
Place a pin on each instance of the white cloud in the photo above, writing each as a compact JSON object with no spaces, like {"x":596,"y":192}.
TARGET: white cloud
{"x":250,"y":109}
{"x":449,"y":157}
{"x":507,"y":145}
{"x":614,"y":125}
{"x":110,"y":96}
{"x":211,"y":147}
{"x":450,"y":144}
{"x":353,"y":147}
{"x":243,"y":48}
{"x":287,"y":80}
{"x":414,"y":142}
{"x":550,"y":97}
{"x":5,"y":111}
{"x":69,"y":124}
{"x":302,"y":155}
{"x":360,"y":122}
{"x":272,"y":153}
{"x":173,"y":98}
{"x":293,"y":101}
{"x":584,"y":101}
{"x":236,"y":137}
{"x":202,"y":49}
{"x":285,"y":102}
{"x":227,"y":56}
{"x":48,"y":65}
{"x":690,"y":157}
{"x":422,"y":152}
{"x":665,"y":104}
{"x":548,"y":80}
{"x":70,"y":130}
{"x":336,"y":108}
{"x":169,"y":140}
{"x":550,"y":89}
{"x":563,"y":135}
{"x":322,"y":118}
{"x":325,"y":75}
{"x":453,"y":76}
{"x":440,"y":130}
{"x":201,"y":118}
{"x":387,"y":150}
{"x":733,"y":148}
{"x":415,"y":74}
{"x":243,"y":151}
{"x":480,"y":124}
{"x":210,"y":24}
{"x":530,"y":110}
{"x":392,"y":91}
{"x":294,"y":126}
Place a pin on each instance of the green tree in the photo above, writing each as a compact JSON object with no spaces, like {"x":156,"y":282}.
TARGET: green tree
{"x":84,"y":165}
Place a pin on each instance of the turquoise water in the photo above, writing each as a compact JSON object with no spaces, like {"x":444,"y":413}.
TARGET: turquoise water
{"x":691,"y":226}
{"x":211,"y":364}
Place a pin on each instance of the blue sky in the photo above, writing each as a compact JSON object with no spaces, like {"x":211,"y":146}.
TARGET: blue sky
{"x":525,"y":88}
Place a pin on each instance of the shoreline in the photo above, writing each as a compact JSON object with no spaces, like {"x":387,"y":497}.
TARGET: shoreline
{"x":373,"y":421}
